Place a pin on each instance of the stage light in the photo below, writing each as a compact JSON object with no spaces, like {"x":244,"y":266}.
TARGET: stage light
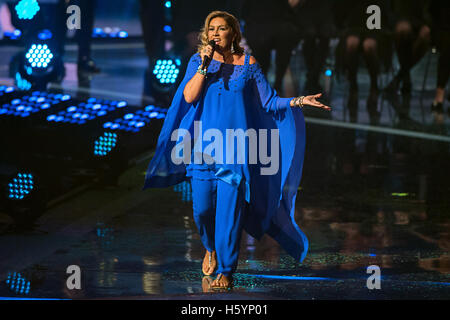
{"x":109,"y":33}
{"x":134,"y":122}
{"x":38,"y":65}
{"x":21,"y":83}
{"x":123,"y":34}
{"x":13,"y":35}
{"x":166,"y":71}
{"x":167,"y":28}
{"x":18,"y":284}
{"x":21,"y":186}
{"x":27,"y":9}
{"x":5,"y":89}
{"x":45,"y":34}
{"x":168,"y":4}
{"x":86,"y":111}
{"x":105,"y":143}
{"x":39,"y":56}
{"x":27,"y":105}
{"x":328,"y":72}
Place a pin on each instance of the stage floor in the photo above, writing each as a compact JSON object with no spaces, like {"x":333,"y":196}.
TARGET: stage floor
{"x":371,"y":194}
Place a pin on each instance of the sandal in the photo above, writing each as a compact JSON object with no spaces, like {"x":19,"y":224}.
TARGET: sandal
{"x":218,"y":286}
{"x":210,"y":260}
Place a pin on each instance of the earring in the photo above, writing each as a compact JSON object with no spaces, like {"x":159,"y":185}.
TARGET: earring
{"x":232,"y":47}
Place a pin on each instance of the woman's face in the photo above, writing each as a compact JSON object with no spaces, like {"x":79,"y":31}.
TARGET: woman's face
{"x":221,"y":33}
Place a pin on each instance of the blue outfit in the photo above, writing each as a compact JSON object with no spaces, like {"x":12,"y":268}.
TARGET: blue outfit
{"x":235,"y":97}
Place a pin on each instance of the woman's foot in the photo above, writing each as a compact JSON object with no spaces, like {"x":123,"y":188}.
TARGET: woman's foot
{"x":222,"y":282}
{"x":209,"y":263}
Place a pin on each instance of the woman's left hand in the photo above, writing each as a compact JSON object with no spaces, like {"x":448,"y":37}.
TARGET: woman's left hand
{"x":311,"y":101}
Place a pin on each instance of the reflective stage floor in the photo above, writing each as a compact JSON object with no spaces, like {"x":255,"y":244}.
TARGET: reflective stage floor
{"x":371,"y":195}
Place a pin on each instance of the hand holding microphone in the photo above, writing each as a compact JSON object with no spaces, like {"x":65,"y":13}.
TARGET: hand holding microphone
{"x":207,"y":54}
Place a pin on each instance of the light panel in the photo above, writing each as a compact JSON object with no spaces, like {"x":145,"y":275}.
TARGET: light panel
{"x":27,"y":9}
{"x":166,"y":70}
{"x":86,"y":111}
{"x":27,"y":105}
{"x":105,"y":143}
{"x":21,"y":186}
{"x":134,"y":122}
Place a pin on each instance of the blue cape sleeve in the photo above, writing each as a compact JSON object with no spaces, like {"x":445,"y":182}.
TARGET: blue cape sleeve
{"x":162,"y":172}
{"x":272,"y":204}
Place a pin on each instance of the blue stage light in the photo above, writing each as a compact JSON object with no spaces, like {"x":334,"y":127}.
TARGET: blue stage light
{"x":37,"y":101}
{"x":21,"y":83}
{"x":166,"y":71}
{"x":27,"y":9}
{"x":328,"y":73}
{"x":123,"y":34}
{"x":168,"y":4}
{"x":167,"y":28}
{"x":5,"y":89}
{"x":39,"y":56}
{"x":18,"y":284}
{"x":13,"y":35}
{"x":109,"y":33}
{"x":83,"y":112}
{"x":20,"y":186}
{"x":104,"y":144}
{"x":133,"y":122}
{"x":45,"y":35}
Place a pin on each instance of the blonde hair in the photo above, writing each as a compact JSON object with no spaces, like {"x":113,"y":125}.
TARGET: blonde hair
{"x":232,"y":22}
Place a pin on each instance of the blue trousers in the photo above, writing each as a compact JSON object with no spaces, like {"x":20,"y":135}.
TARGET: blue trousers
{"x":218,"y":214}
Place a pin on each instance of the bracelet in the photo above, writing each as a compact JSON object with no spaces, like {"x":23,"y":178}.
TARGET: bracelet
{"x":301,"y":101}
{"x":201,"y":71}
{"x":298,"y":101}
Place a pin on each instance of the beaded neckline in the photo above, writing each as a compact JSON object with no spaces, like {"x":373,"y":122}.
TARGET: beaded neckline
{"x":229,"y":64}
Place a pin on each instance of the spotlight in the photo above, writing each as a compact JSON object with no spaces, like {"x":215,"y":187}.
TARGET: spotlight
{"x":18,"y":284}
{"x":21,"y":186}
{"x":13,"y":35}
{"x":27,"y":9}
{"x":105,"y":143}
{"x":166,"y":71}
{"x":39,"y":56}
{"x":38,"y":65}
{"x":45,"y":34}
{"x":162,"y":77}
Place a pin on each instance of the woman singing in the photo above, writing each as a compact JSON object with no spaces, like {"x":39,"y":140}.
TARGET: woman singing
{"x":234,"y":186}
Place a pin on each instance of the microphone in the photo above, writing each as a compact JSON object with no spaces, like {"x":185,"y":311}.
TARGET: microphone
{"x":208,"y":59}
